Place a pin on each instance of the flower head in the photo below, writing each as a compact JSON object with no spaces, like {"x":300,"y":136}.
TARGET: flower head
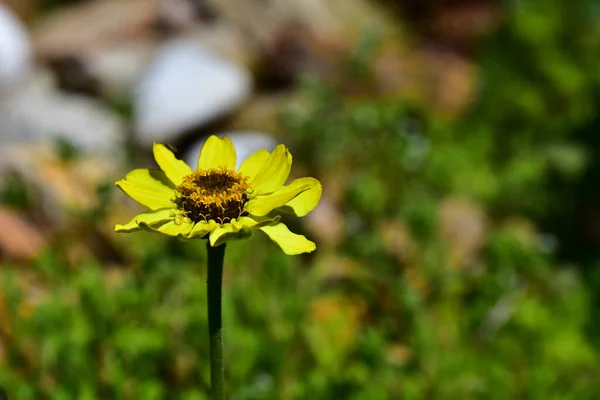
{"x":218,"y":203}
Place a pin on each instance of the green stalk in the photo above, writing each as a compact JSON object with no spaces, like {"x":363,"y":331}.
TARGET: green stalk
{"x":214,"y":283}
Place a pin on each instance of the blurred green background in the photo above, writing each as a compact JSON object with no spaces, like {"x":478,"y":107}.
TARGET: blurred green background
{"x":457,"y":238}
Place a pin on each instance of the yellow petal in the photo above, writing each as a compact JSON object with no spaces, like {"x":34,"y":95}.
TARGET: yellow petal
{"x":149,"y":218}
{"x":226,"y":232}
{"x":274,"y":173}
{"x":217,"y":152}
{"x":262,"y":205}
{"x":174,"y":169}
{"x":254,"y":164}
{"x":306,"y":201}
{"x":254,"y":222}
{"x":202,"y":228}
{"x":289,"y":242}
{"x":171,"y":228}
{"x":239,"y":228}
{"x":149,"y":187}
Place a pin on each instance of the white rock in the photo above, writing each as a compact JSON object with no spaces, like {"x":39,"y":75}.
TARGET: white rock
{"x":186,"y":86}
{"x":39,"y":114}
{"x":15,"y":50}
{"x":245,"y":143}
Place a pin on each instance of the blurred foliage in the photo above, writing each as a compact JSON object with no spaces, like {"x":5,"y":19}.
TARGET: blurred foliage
{"x":405,"y":303}
{"x":14,"y":192}
{"x":53,"y":5}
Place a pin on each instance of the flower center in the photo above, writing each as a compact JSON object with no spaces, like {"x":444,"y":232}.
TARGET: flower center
{"x":218,"y":194}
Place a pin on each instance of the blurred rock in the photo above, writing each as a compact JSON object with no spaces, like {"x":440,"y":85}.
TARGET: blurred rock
{"x":245,"y":143}
{"x":464,"y":227}
{"x":40,"y":114}
{"x":440,"y":79}
{"x":100,"y":47}
{"x":15,"y":51}
{"x":60,"y":187}
{"x":261,"y":112}
{"x":186,"y":86}
{"x":25,"y":9}
{"x":461,"y":24}
{"x":178,"y":15}
{"x":325,"y":19}
{"x":19,"y":239}
{"x":72,"y":75}
{"x":293,"y":52}
{"x":86,"y":27}
{"x":455,"y":23}
{"x":453,"y":78}
{"x":398,"y":69}
{"x":225,"y":40}
{"x":290,"y":38}
{"x":117,"y":68}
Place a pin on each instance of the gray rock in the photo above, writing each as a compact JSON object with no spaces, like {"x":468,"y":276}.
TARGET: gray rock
{"x":117,"y":68}
{"x":37,"y":113}
{"x":15,"y":51}
{"x":60,"y":187}
{"x":185,"y":86}
{"x":245,"y":143}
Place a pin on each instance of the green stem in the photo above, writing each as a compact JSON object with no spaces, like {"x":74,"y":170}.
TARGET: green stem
{"x":214,"y":283}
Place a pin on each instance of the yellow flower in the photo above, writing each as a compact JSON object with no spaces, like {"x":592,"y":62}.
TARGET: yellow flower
{"x":216,"y":202}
